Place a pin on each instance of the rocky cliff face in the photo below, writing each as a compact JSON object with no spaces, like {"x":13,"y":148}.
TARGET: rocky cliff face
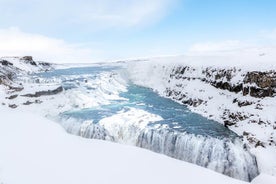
{"x":241,"y":99}
{"x":253,"y":83}
{"x":13,"y":68}
{"x":7,"y":74}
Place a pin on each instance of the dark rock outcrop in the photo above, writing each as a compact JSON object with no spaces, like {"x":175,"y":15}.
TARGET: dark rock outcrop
{"x":27,"y":58}
{"x":261,"y":79}
{"x":12,"y":97}
{"x":5,"y":63}
{"x":255,"y":84}
{"x":34,"y":102}
{"x":44,"y":93}
{"x":242,"y":103}
{"x":13,"y":106}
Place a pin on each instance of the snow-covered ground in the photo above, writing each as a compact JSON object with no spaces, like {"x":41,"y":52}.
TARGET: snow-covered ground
{"x":35,"y":150}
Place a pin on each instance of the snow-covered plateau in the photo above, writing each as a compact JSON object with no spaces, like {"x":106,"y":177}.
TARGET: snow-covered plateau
{"x":193,"y":109}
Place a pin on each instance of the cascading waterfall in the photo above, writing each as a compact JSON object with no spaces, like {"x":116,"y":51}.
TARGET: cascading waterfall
{"x":86,"y":129}
{"x":223,"y":156}
{"x":130,"y":122}
{"x":228,"y":157}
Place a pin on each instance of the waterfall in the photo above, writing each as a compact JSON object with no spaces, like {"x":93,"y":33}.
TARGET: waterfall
{"x":223,"y":156}
{"x":86,"y":129}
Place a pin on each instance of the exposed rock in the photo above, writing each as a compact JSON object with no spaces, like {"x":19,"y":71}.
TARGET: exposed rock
{"x":259,"y":143}
{"x":14,"y":88}
{"x":245,"y":133}
{"x":44,"y":64}
{"x":12,"y":97}
{"x":27,"y":58}
{"x":253,"y":140}
{"x":237,"y":116}
{"x":261,"y":79}
{"x":28,"y":103}
{"x":260,"y":92}
{"x":13,"y":106}
{"x":45,"y":93}
{"x":265,"y":84}
{"x":193,"y":102}
{"x":256,"y":84}
{"x":228,"y":123}
{"x":242,"y":103}
{"x":38,"y":101}
{"x":5,"y":63}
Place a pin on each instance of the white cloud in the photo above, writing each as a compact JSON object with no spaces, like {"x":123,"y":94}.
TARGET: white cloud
{"x":92,"y":14}
{"x":14,"y":42}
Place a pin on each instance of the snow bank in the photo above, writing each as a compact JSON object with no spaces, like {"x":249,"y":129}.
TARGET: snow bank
{"x":35,"y":150}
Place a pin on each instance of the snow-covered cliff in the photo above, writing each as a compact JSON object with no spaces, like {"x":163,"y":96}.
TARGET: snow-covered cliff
{"x":238,"y":97}
{"x":11,"y":67}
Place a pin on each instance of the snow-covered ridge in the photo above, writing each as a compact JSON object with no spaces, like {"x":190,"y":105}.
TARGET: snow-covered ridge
{"x":11,"y":67}
{"x":26,"y":64}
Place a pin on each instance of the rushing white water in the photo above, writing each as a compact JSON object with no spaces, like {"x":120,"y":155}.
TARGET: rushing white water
{"x":85,"y":129}
{"x":223,"y":156}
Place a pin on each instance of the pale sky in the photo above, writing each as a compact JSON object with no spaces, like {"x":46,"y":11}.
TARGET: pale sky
{"x":108,"y":30}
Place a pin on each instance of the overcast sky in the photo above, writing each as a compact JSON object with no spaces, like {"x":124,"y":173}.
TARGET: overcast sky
{"x":105,"y":30}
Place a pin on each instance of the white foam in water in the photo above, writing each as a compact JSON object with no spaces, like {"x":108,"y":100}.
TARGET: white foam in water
{"x":105,"y":87}
{"x":85,"y":129}
{"x":95,"y":91}
{"x":126,"y":126}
